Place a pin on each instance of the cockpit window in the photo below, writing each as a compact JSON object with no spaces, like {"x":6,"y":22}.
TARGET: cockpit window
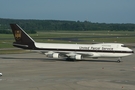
{"x":123,"y":46}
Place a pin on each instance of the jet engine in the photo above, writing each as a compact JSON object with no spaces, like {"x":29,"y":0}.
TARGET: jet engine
{"x":53,"y":55}
{"x":76,"y":57}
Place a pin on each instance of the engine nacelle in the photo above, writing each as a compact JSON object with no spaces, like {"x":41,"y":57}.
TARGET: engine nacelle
{"x":54,"y":55}
{"x":77,"y":57}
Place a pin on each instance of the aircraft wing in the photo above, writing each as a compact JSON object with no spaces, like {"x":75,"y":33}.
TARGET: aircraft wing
{"x":72,"y":55}
{"x":67,"y":54}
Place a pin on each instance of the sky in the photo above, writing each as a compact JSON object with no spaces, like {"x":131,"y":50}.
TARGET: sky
{"x":101,"y":11}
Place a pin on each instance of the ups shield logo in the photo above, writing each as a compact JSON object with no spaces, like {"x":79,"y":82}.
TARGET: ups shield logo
{"x":18,"y":34}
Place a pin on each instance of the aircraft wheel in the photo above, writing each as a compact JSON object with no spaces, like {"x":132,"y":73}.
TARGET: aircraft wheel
{"x":118,"y":61}
{"x":69,"y":59}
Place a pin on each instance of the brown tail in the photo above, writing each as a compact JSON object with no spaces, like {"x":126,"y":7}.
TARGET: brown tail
{"x":22,"y":39}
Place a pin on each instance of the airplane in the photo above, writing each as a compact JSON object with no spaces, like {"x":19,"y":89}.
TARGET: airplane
{"x":69,"y":51}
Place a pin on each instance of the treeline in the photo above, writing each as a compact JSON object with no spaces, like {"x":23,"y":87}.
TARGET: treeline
{"x":31,"y":26}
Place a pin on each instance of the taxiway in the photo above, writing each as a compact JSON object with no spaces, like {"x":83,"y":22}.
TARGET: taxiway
{"x":33,"y":71}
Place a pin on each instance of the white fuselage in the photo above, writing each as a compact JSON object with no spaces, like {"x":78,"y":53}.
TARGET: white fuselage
{"x":91,"y":50}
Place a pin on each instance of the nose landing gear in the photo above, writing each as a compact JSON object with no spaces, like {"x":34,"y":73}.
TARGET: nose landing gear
{"x":119,"y":60}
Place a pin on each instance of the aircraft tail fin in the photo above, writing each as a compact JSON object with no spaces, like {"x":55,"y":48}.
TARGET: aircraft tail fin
{"x":22,"y":39}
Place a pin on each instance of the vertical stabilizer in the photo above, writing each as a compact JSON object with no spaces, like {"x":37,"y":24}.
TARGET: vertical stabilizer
{"x":22,"y":39}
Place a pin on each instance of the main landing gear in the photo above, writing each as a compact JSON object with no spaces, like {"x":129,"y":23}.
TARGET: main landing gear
{"x":119,"y":60}
{"x":70,"y":59}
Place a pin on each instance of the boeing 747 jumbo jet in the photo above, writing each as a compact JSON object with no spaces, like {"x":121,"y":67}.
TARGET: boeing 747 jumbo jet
{"x":69,"y":51}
